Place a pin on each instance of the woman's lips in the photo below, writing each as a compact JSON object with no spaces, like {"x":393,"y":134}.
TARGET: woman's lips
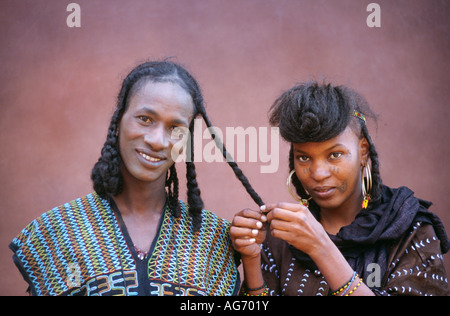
{"x":324,"y":192}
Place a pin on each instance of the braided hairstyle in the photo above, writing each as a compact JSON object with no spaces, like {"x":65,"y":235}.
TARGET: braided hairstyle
{"x":313,"y":112}
{"x":106,"y":175}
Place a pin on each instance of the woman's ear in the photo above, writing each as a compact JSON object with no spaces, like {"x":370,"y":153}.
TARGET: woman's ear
{"x":364,"y":151}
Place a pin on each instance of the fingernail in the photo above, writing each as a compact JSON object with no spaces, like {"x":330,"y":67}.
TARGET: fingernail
{"x":264,"y":218}
{"x":262,"y":208}
{"x":252,"y":240}
{"x":259,"y":225}
{"x":255,"y":232}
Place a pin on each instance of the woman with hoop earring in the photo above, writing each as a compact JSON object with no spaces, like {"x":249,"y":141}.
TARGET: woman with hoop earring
{"x":346,"y":234}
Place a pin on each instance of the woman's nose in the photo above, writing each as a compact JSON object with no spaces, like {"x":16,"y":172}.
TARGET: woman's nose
{"x":320,"y":171}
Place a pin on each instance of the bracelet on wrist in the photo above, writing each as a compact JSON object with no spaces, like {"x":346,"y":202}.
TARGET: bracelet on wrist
{"x":265,"y":293}
{"x":346,"y":285}
{"x":246,"y":290}
{"x":355,"y":288}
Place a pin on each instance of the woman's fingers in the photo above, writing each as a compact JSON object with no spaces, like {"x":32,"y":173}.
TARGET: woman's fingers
{"x":249,"y":219}
{"x":285,"y":211}
{"x":294,"y":207}
{"x":239,"y":232}
{"x":239,"y":243}
{"x":247,"y":231}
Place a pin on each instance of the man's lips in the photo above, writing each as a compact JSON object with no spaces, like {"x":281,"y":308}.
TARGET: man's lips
{"x":150,"y":157}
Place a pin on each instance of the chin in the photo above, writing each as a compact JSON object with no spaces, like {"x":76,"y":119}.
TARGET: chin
{"x":146,"y":176}
{"x":327,"y":204}
{"x":152,"y":177}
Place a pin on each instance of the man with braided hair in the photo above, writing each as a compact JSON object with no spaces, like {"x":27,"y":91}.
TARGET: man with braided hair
{"x":133,"y":236}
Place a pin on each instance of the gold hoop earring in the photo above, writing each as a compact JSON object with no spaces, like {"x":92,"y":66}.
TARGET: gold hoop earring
{"x":304,"y":202}
{"x":366,"y":185}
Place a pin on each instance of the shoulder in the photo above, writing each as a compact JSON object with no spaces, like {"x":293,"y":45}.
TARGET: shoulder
{"x":403,"y":198}
{"x":419,"y":211}
{"x":420,"y":243}
{"x":61,"y":220}
{"x":416,"y":266}
{"x":397,"y":213}
{"x":210,"y":221}
{"x":46,"y":247}
{"x":213,"y":235}
{"x":212,"y":251}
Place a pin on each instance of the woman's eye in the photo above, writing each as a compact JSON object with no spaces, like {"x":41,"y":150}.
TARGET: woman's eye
{"x":336,"y":155}
{"x":302,"y":158}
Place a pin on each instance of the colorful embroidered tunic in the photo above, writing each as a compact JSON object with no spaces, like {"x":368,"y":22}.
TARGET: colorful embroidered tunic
{"x":83,"y":248}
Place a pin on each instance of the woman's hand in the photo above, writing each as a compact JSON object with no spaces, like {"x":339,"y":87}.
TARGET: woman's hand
{"x":295,"y":224}
{"x":248,"y":232}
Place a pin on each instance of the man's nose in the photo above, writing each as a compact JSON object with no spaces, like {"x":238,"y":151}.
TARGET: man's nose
{"x":157,"y":138}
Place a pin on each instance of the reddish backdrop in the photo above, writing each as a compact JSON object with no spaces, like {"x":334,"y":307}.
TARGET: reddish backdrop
{"x":59,"y":84}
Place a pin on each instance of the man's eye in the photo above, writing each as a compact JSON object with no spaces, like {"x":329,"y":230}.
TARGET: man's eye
{"x":145,"y":119}
{"x":179,"y":132}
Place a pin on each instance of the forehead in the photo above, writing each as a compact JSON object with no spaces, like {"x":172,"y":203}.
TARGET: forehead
{"x":347,"y":138}
{"x":161,"y":97}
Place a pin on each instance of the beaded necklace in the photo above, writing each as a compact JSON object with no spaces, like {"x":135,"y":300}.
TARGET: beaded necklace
{"x":140,"y":253}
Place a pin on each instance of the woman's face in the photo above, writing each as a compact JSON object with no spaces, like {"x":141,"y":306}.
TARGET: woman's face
{"x":145,"y":131}
{"x":330,"y":171}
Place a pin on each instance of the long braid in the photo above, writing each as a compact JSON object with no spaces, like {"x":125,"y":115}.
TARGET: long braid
{"x":172,"y":191}
{"x":106,"y":176}
{"x":237,"y":171}
{"x":194,"y":199}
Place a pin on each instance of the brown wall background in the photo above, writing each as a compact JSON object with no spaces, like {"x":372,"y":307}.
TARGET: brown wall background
{"x":58,"y":87}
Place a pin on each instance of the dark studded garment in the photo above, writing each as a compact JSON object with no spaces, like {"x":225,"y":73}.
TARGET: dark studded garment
{"x":396,"y":247}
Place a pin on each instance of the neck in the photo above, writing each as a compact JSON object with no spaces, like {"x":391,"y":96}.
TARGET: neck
{"x":141,"y":198}
{"x":334,"y":219}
